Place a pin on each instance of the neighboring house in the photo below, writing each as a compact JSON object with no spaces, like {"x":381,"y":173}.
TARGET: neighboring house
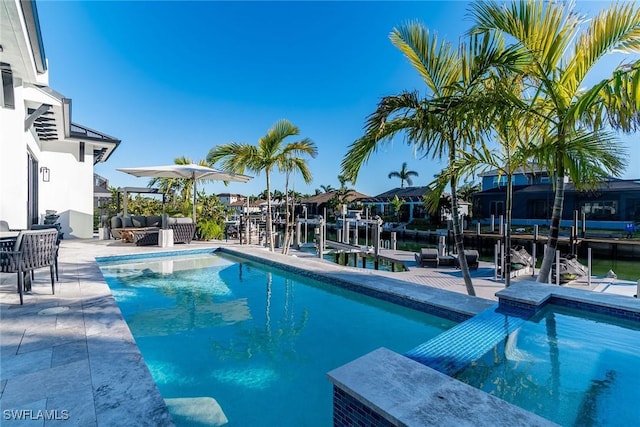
{"x":413,"y":206}
{"x":317,"y":204}
{"x":46,"y":160}
{"x":533,"y":174}
{"x":229,"y":199}
{"x":241,"y":207}
{"x":612,"y":205}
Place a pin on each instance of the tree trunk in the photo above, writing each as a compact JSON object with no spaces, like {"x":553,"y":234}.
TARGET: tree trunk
{"x":554,"y":231}
{"x":459,"y":239}
{"x":507,"y":238}
{"x":285,"y":247}
{"x":269,"y":217}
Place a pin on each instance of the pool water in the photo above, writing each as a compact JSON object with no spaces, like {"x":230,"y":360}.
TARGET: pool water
{"x":258,"y":340}
{"x":571,"y":367}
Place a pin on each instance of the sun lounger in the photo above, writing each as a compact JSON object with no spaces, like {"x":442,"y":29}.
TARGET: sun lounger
{"x":427,"y":257}
{"x":473,"y":259}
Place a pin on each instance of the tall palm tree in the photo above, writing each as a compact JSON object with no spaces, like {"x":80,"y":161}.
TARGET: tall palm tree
{"x":326,"y":188}
{"x":292,"y":164}
{"x":341,"y":195}
{"x":435,"y":125}
{"x":404,"y":175}
{"x":563,"y":48}
{"x":270,"y":153}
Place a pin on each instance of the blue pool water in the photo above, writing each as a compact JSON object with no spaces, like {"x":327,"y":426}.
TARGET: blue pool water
{"x":571,"y":367}
{"x":258,"y":340}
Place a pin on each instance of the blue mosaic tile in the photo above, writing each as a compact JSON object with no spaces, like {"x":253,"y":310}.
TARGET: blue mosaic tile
{"x":597,"y":308}
{"x":466,"y":342}
{"x":117,"y":258}
{"x":349,"y":412}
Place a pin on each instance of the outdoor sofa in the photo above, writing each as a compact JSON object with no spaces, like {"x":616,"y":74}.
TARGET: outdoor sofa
{"x":143,"y":230}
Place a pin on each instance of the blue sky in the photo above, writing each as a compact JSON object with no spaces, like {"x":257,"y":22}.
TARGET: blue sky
{"x":175,"y":79}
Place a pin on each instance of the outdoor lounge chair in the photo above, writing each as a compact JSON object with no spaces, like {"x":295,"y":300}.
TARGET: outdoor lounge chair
{"x":31,"y":250}
{"x":428,"y":257}
{"x":472,"y":257}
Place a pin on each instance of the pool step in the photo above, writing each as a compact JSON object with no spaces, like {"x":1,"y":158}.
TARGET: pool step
{"x":466,"y":342}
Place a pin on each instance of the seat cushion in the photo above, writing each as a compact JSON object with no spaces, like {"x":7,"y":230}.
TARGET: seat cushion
{"x":127,"y":222}
{"x":139,"y":221}
{"x":116,"y":222}
{"x":154,"y":221}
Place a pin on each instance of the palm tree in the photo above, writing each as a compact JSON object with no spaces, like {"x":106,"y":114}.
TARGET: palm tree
{"x":562,"y":52}
{"x":327,"y":188}
{"x":404,"y":175}
{"x":341,"y":195}
{"x":396,"y":203}
{"x":289,"y":165}
{"x":270,"y":152}
{"x":467,"y":190}
{"x":435,"y":125}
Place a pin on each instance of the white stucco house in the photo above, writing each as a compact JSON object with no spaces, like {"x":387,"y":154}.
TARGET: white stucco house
{"x":46,"y":160}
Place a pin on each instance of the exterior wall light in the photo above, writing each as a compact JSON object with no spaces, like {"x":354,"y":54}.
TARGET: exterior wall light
{"x":46,"y":173}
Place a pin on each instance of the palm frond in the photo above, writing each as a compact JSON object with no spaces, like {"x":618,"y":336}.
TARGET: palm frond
{"x":435,"y":60}
{"x":615,"y":29}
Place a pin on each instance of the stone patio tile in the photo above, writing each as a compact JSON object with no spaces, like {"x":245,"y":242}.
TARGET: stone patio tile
{"x":24,"y":414}
{"x":10,"y":339}
{"x":39,"y":338}
{"x":73,"y":318}
{"x":77,"y":405}
{"x":47,"y":382}
{"x":124,"y":388}
{"x":19,"y":364}
{"x":70,"y":352}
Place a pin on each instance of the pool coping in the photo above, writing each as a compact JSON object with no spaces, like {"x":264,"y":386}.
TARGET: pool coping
{"x":439,"y":302}
{"x":530,"y":296}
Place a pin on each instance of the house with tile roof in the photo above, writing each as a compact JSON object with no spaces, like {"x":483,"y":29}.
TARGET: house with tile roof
{"x":413,"y":206}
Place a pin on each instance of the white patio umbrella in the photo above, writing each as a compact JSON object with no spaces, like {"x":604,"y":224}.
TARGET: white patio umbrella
{"x":190,"y":171}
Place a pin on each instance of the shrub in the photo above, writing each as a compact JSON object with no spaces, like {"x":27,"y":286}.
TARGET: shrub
{"x":208,"y":230}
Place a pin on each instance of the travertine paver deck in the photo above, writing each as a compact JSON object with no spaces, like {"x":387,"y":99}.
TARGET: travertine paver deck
{"x":72,"y":355}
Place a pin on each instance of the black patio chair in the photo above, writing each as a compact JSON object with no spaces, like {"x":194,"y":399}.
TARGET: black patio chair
{"x":32,"y":249}
{"x":60,"y":237}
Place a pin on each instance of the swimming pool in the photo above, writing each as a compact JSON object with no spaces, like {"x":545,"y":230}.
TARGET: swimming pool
{"x":567,"y":365}
{"x":256,"y":339}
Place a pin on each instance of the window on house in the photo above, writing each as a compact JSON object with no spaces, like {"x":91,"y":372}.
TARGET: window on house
{"x":8,"y":97}
{"x":633,"y":210}
{"x":604,"y":210}
{"x":539,"y":209}
{"x":497,"y":208}
{"x":500,"y":181}
{"x":81,"y":154}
